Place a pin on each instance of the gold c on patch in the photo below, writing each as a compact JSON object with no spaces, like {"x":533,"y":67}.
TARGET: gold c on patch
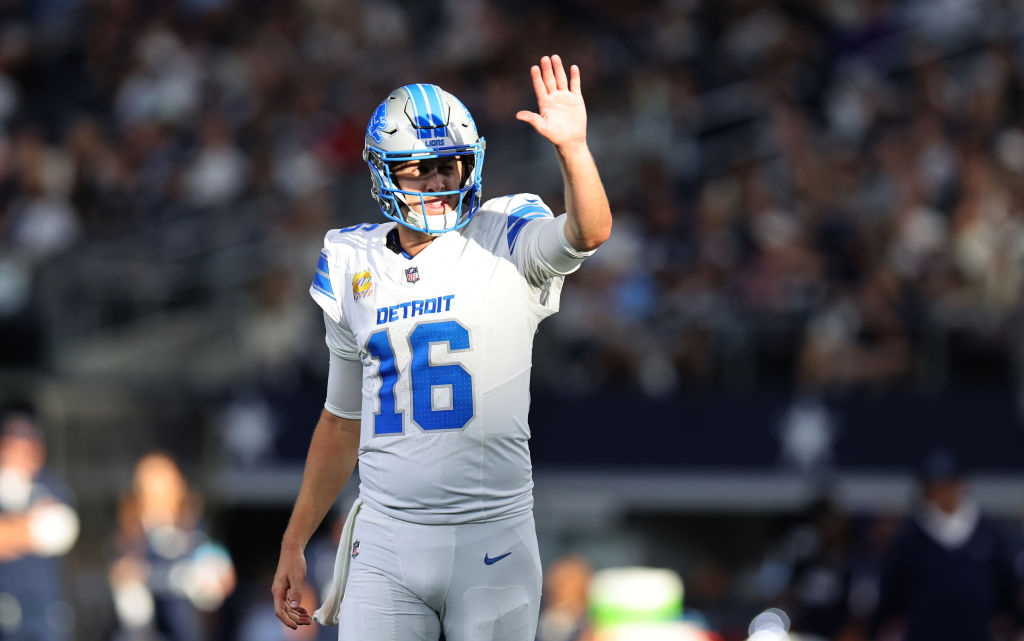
{"x":362,"y":285}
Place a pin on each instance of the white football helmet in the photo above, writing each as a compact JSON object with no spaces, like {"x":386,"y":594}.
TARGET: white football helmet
{"x":416,"y":122}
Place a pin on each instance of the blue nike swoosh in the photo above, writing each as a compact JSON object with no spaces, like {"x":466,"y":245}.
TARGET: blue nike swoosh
{"x":489,"y":561}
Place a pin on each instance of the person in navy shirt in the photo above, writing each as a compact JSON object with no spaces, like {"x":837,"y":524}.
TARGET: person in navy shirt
{"x":949,"y":574}
{"x":38,"y":527}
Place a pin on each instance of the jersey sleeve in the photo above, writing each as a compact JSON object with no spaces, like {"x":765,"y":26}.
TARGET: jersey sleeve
{"x":322,"y":288}
{"x":537,"y":242}
{"x":325,"y":289}
{"x":344,"y":378}
{"x":341,"y":341}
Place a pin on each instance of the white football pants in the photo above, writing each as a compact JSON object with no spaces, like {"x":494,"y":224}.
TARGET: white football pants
{"x":481,"y":581}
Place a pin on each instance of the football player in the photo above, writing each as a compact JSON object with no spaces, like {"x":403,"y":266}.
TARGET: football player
{"x":430,"y":322}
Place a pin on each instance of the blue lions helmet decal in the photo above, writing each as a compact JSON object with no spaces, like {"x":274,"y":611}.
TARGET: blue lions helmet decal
{"x":378,"y":122}
{"x":416,"y":122}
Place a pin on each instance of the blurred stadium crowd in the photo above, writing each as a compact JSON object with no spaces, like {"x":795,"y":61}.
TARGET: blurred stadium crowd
{"x":814,"y":195}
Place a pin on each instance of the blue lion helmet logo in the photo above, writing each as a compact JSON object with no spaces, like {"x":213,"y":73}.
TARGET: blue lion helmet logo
{"x":377,"y":123}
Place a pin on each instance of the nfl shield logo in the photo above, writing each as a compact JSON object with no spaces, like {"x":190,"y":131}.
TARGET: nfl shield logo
{"x":412,"y":274}
{"x":355,"y":549}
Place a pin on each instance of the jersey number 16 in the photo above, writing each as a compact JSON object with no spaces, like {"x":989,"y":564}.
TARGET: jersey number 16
{"x":424,"y":378}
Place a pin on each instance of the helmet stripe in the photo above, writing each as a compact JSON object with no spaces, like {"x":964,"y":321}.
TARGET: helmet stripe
{"x":426,"y":117}
{"x":438,"y":105}
{"x":419,"y":105}
{"x":433,"y":109}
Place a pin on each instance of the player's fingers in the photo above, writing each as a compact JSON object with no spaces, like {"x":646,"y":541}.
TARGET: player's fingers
{"x":574,"y":79}
{"x":284,"y":617}
{"x":529,"y":116}
{"x":292,"y":616}
{"x":279,"y":590}
{"x":548,"y":74}
{"x":293,"y":619}
{"x":561,"y":83}
{"x":538,"y":83}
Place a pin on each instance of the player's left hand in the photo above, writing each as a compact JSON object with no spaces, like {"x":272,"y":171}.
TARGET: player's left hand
{"x":287,"y":589}
{"x":563,"y":116}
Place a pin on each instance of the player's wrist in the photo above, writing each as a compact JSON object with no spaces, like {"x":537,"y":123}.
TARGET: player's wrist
{"x":573,"y":149}
{"x":293,"y":544}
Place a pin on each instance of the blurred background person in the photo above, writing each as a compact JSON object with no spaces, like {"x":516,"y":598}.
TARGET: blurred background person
{"x":817,"y":558}
{"x":38,"y":526}
{"x":563,"y":614}
{"x":168,"y":572}
{"x":949,"y":575}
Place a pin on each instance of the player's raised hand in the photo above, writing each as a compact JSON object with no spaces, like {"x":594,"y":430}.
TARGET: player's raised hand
{"x":563,"y":116}
{"x":287,"y":589}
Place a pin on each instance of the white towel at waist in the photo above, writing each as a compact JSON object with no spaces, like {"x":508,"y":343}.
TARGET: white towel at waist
{"x":327,"y":613}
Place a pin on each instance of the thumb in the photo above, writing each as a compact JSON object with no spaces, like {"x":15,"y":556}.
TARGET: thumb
{"x":294,"y":594}
{"x":529,"y":116}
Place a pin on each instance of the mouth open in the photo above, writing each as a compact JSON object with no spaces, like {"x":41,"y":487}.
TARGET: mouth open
{"x":436,"y":205}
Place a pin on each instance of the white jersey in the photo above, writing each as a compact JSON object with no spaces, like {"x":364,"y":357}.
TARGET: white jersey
{"x":445,"y":339}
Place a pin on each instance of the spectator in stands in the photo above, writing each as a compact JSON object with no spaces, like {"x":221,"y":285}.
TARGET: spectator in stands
{"x":857,"y":339}
{"x":790,"y":155}
{"x":218,"y":172}
{"x":43,"y":223}
{"x":949,"y":573}
{"x":168,"y":571}
{"x":37,"y":527}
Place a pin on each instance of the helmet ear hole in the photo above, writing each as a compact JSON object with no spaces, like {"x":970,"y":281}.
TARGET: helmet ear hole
{"x":468,"y":170}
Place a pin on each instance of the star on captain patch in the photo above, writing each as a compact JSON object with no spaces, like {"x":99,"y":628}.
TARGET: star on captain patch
{"x":412,"y":274}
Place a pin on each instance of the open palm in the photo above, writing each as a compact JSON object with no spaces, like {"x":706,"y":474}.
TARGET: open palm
{"x":563,"y":116}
